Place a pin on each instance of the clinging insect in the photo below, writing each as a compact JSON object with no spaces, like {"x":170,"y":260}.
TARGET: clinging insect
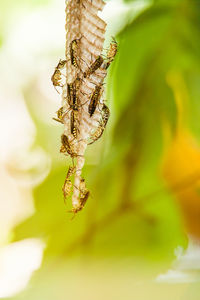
{"x":102,"y":124}
{"x":94,"y":66}
{"x":67,"y":187}
{"x":94,"y":99}
{"x":112,"y":51}
{"x":56,"y":77}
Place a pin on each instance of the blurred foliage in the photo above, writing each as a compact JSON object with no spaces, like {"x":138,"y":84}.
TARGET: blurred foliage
{"x":11,"y":7}
{"x":131,"y":212}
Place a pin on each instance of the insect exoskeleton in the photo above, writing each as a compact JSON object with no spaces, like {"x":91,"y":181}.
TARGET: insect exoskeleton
{"x":67,"y":146}
{"x":94,"y":99}
{"x":83,"y":199}
{"x":59,"y":115}
{"x":106,"y":114}
{"x":102,"y":124}
{"x":73,"y":123}
{"x":56,"y":77}
{"x":73,"y":50}
{"x":83,"y":196}
{"x":94,"y":66}
{"x":67,"y":187}
{"x":72,"y":93}
{"x":112,"y":51}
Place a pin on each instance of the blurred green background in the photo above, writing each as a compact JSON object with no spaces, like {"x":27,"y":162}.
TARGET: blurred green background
{"x":129,"y":241}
